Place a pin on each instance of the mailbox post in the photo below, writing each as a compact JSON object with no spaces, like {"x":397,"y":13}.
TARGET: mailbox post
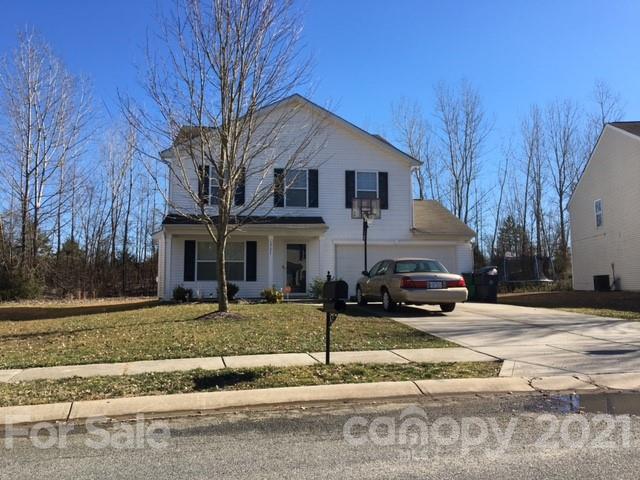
{"x":334,"y":294}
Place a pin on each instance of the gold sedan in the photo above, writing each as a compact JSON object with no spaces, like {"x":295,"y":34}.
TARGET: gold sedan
{"x":412,"y":281}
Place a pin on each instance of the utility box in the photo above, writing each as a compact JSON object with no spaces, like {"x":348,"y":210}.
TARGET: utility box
{"x":601,"y":283}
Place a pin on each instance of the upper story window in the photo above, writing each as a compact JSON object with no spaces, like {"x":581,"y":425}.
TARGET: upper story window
{"x":597,"y":207}
{"x":367,"y":185}
{"x":296,"y":188}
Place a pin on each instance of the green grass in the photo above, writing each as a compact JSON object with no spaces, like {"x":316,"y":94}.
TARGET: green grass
{"x":624,"y":305}
{"x":72,"y":334}
{"x":48,"y":391}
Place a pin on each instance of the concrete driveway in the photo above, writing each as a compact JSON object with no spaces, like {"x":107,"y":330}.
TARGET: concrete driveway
{"x":535,"y":341}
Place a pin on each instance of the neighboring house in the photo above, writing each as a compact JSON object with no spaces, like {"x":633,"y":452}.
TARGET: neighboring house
{"x":310,"y":231}
{"x":605,"y":211}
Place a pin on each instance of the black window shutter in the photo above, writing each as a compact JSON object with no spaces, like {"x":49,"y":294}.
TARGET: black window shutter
{"x":278,"y":187}
{"x":239,"y":197}
{"x":252,"y":261}
{"x":203,"y":184}
{"x":189,"y":260}
{"x":313,"y":188}
{"x":383,"y":189}
{"x":349,"y":187}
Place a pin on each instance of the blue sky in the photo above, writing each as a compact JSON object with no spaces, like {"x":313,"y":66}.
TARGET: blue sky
{"x":370,"y":53}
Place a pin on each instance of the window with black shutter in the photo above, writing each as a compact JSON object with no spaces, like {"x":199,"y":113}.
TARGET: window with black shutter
{"x":240,"y":189}
{"x":204,"y":183}
{"x":278,"y":187}
{"x":349,"y":187}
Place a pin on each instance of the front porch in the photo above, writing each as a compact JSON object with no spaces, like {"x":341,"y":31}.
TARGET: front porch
{"x":258,"y":257}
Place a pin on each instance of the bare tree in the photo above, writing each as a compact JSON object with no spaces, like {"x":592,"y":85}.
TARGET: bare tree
{"x":463,"y":132}
{"x":534,"y":155}
{"x":562,"y":127}
{"x":46,"y":110}
{"x":607,"y":107}
{"x":503,"y":175}
{"x":414,"y":134}
{"x":223,"y":63}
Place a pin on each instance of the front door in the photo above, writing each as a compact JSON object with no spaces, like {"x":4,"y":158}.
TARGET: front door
{"x":297,"y":267}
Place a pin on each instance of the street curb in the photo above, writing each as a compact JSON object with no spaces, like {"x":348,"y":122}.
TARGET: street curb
{"x":208,"y":402}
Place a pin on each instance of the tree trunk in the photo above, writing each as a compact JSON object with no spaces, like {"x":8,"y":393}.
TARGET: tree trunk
{"x":221,"y":245}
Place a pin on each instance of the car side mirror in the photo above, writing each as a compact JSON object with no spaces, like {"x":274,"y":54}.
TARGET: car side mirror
{"x":365,"y":273}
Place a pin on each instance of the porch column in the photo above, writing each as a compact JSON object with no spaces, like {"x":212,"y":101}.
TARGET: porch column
{"x":270,"y":262}
{"x":168,"y":248}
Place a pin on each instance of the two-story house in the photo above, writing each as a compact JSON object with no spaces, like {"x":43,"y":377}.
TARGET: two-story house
{"x":308,"y":230}
{"x":605,"y":223}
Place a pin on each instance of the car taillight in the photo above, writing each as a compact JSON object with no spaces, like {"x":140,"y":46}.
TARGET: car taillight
{"x":456,"y":283}
{"x":408,"y":282}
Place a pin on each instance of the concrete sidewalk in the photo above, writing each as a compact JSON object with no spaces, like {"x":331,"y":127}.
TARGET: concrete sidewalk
{"x":422,"y":355}
{"x":202,"y":403}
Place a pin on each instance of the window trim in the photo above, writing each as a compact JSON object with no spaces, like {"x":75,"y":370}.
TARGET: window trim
{"x":306,"y":189}
{"x":244,"y":261}
{"x":598,"y":212}
{"x":377,"y":189}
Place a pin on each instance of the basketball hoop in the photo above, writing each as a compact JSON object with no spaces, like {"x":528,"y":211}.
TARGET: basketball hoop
{"x":366,"y":208}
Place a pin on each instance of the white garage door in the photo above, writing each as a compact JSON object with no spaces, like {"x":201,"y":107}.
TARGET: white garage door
{"x":350,"y":258}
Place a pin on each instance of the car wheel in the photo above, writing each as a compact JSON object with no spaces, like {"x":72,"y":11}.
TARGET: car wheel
{"x":362,"y":301}
{"x":387,"y":302}
{"x":447,"y":307}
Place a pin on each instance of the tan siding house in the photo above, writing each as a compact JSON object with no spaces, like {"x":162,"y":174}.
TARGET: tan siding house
{"x":605,"y":211}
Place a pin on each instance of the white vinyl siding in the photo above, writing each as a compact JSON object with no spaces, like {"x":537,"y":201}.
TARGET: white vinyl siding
{"x":341,"y":149}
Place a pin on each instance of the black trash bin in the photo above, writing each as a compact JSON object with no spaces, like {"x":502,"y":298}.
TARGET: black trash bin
{"x":471,"y":286}
{"x":486,"y":281}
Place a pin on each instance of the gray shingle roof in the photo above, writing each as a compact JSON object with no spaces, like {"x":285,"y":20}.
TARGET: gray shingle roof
{"x":177,"y":219}
{"x":431,"y":218}
{"x":631,"y":127}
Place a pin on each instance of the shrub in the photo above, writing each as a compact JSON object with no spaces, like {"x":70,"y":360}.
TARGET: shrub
{"x":272,"y":295}
{"x":232,"y":291}
{"x":181,"y":294}
{"x":16,"y":286}
{"x":317,"y":287}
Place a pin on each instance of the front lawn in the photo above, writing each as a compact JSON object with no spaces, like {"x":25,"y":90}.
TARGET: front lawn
{"x":74,"y":389}
{"x":143,"y":331}
{"x":625,"y":305}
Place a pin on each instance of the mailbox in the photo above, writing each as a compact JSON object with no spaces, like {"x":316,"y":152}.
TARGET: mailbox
{"x":334,"y":295}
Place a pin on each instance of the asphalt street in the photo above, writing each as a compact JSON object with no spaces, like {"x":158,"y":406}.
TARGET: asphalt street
{"x":498,"y":437}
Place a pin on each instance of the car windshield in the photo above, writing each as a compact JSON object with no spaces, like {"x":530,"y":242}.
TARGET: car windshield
{"x":419,"y":266}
